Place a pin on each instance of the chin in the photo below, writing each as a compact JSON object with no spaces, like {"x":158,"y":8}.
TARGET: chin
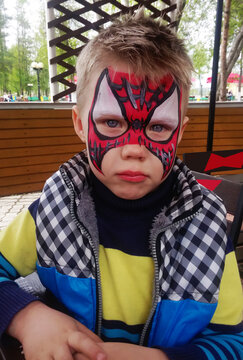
{"x":128,"y":195}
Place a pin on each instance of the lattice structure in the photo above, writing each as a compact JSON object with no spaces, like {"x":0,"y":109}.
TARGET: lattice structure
{"x":72,"y":23}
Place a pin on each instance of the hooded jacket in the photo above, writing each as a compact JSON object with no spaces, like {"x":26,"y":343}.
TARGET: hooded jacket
{"x":193,"y":263}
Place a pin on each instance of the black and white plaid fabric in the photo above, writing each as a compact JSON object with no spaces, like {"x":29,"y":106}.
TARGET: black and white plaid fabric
{"x":60,"y":242}
{"x":190,"y":248}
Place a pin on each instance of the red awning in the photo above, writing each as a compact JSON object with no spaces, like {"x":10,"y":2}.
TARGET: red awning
{"x":232,"y":78}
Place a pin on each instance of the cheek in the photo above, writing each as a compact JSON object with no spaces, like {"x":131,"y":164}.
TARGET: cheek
{"x":108,"y":164}
{"x":159,"y":170}
{"x":111,"y":160}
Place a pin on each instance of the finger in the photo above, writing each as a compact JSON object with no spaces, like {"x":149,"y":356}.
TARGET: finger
{"x":80,"y":357}
{"x":88,"y":332}
{"x":82,"y":343}
{"x":63,"y":353}
{"x":36,"y":356}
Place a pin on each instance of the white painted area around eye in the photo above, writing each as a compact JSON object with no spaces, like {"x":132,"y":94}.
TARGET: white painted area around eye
{"x":167,"y":113}
{"x":106,"y":105}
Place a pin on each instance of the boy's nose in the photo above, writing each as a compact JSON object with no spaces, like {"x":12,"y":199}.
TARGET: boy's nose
{"x":133,"y":151}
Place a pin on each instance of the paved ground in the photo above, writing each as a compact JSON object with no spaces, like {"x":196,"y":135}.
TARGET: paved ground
{"x":10,"y":206}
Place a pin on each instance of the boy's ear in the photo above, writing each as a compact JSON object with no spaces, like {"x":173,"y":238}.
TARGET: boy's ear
{"x":183,"y":126}
{"x":77,"y":123}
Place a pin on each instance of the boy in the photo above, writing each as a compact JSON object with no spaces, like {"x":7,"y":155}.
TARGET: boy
{"x":126,"y":239}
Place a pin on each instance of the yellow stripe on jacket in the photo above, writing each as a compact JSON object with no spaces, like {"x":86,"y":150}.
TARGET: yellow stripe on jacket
{"x":127,"y":285}
{"x":18,"y":243}
{"x":230,"y":302}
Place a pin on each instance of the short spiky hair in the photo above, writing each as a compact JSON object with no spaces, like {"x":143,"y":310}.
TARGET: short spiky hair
{"x":147,"y":47}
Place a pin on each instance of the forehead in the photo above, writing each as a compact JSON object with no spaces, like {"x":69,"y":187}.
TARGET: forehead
{"x":116,"y":70}
{"x":124,"y":95}
{"x":121,"y":75}
{"x":117,"y":67}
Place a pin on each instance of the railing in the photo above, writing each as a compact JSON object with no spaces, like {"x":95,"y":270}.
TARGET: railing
{"x":36,"y":138}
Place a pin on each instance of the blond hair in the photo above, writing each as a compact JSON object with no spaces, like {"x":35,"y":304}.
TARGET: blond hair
{"x":146,"y":46}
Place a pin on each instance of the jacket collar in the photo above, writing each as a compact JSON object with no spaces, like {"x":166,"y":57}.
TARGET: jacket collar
{"x":187,"y":198}
{"x":188,"y":195}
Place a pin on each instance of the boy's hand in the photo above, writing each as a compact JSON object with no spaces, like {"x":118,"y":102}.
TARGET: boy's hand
{"x":124,"y":351}
{"x":119,"y":351}
{"x":44,"y":333}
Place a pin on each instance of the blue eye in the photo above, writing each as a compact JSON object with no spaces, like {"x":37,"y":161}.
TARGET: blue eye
{"x":112,"y":123}
{"x":157,"y":128}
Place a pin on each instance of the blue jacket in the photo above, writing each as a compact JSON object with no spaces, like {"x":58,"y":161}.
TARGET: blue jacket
{"x":197,"y":302}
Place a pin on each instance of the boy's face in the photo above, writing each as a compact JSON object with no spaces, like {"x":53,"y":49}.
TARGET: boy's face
{"x":131,"y":128}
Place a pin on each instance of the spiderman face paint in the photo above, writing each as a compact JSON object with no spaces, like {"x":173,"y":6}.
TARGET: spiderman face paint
{"x":126,"y":110}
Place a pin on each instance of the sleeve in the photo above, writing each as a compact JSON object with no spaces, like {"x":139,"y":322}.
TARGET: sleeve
{"x":17,"y":258}
{"x":223,"y":338}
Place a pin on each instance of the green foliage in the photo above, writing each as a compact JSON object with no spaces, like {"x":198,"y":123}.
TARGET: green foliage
{"x":24,"y":47}
{"x":15,"y":62}
{"x":201,"y":58}
{"x":41,"y":54}
{"x":4,"y":64}
{"x":197,"y":27}
{"x":236,"y":18}
{"x":198,"y":22}
{"x":14,"y":80}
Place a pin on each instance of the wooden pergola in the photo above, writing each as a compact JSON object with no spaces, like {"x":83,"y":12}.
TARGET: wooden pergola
{"x":69,"y":29}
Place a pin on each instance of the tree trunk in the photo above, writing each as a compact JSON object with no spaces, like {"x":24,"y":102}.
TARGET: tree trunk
{"x":239,"y":85}
{"x":234,"y":54}
{"x":235,"y":51}
{"x":223,"y":67}
{"x":177,"y":13}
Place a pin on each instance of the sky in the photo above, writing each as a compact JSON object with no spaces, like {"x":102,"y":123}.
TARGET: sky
{"x":32,"y":16}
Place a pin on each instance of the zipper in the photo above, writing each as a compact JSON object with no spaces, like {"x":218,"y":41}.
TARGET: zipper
{"x":85,"y":232}
{"x":156,"y":276}
{"x":156,"y":294}
{"x":96,"y":256}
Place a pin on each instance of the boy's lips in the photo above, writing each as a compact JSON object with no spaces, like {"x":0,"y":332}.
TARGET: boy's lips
{"x":132,"y":176}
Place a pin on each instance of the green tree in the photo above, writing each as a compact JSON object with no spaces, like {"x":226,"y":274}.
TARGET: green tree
{"x":200,"y":58}
{"x":176,"y":16}
{"x":24,"y":46}
{"x":40,"y":51}
{"x":196,"y":27}
{"x":13,"y":77}
{"x":3,"y":49}
{"x":224,"y":44}
{"x":235,"y":34}
{"x":197,"y":24}
{"x":235,"y":38}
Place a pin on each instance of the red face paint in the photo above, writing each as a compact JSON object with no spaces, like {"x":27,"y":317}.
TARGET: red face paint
{"x":126,"y":110}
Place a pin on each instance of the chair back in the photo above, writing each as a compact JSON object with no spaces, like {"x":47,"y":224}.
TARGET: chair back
{"x":215,"y":161}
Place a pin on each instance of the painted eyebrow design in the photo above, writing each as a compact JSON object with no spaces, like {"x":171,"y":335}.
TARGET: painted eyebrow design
{"x":167,"y":112}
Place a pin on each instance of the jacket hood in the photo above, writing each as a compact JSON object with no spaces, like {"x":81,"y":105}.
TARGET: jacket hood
{"x":187,"y":198}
